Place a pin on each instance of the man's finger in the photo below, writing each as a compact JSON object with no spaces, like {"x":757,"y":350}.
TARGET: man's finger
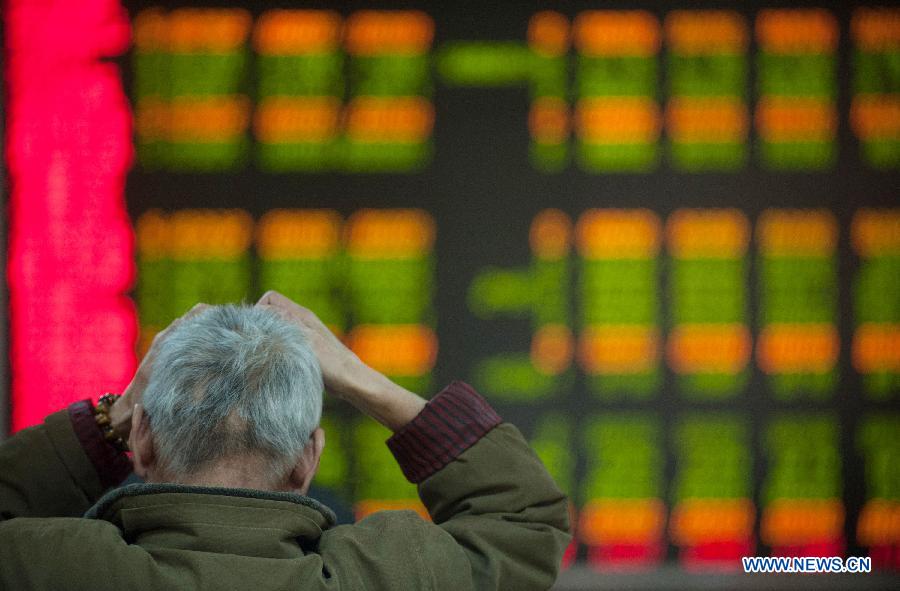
{"x":277,"y":309}
{"x":272,"y":298}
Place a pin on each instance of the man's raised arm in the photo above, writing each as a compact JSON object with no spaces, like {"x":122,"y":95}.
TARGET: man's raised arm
{"x":500,"y":520}
{"x":61,"y":467}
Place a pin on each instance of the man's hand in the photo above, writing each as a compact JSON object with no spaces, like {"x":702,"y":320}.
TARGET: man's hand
{"x":344,"y":374}
{"x":342,"y":371}
{"x":121,"y":411}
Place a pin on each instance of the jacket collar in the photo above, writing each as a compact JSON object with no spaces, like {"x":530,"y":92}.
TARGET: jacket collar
{"x":231,"y":520}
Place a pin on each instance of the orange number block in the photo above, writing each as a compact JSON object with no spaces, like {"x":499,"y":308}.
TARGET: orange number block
{"x":797,"y":30}
{"x":550,"y":235}
{"x":374,"y":32}
{"x":189,"y":30}
{"x":549,"y":120}
{"x":707,"y":119}
{"x":618,"y":234}
{"x":709,"y":348}
{"x":879,"y":523}
{"x":398,"y":350}
{"x":876,"y":29}
{"x":698,"y":32}
{"x":796,"y":348}
{"x":708,"y":233}
{"x":552,"y":349}
{"x":619,"y":349}
{"x":797,"y":232}
{"x":386,"y":234}
{"x":291,"y":234}
{"x":876,"y":347}
{"x":696,"y":521}
{"x":193,"y":119}
{"x":622,"y":521}
{"x":875,"y":116}
{"x":876,"y":232}
{"x":548,"y":33}
{"x":618,"y":120}
{"x":788,"y":522}
{"x":291,"y":119}
{"x":395,"y":119}
{"x":195,"y":233}
{"x":605,"y":33}
{"x":297,"y":32}
{"x":781,"y":119}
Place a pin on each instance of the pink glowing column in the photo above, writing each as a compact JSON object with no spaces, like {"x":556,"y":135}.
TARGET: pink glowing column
{"x":72,"y":328}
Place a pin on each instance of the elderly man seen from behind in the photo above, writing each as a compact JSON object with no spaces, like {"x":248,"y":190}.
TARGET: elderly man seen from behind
{"x":222,"y":421}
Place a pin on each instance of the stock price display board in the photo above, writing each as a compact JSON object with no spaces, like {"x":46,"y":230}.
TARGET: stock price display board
{"x":664,"y":241}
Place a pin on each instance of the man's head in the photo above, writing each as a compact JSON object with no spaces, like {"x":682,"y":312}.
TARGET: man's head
{"x":234,"y":399}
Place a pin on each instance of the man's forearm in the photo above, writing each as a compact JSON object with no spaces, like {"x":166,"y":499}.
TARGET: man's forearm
{"x":383,"y":400}
{"x":484,"y":486}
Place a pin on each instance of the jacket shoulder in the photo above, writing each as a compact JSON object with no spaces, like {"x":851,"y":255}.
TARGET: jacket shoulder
{"x":395,"y":550}
{"x":26,"y":532}
{"x":63,"y":552}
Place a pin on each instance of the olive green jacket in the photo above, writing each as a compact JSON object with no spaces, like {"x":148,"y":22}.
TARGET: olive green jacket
{"x":499,"y":522}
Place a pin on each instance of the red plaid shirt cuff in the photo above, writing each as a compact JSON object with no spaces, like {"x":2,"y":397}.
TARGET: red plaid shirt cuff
{"x":449,"y":424}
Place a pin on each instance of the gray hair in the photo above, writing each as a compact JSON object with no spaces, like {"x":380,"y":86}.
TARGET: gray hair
{"x":233,"y":380}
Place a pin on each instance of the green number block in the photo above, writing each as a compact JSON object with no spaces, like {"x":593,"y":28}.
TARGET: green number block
{"x":798,"y":289}
{"x":296,"y":156}
{"x":625,"y":457}
{"x":390,"y":75}
{"x":333,"y":472}
{"x":391,"y":291}
{"x":206,"y":74}
{"x":712,"y":386}
{"x":513,"y":377}
{"x":478,"y":63}
{"x":549,"y":76}
{"x":552,"y":442}
{"x":309,"y":281}
{"x":708,"y":290}
{"x":713,"y":458}
{"x":153,"y":292}
{"x":804,"y":458}
{"x":882,"y":153}
{"x":802,"y":74}
{"x":619,"y":291}
{"x":378,"y":475}
{"x":207,"y":156}
{"x":711,"y":75}
{"x":878,"y":440}
{"x":312,"y":75}
{"x":500,"y":291}
{"x":616,"y":76}
{"x":151,"y":74}
{"x":799,"y":155}
{"x":875,"y":290}
{"x":549,"y":157}
{"x":208,"y":281}
{"x":551,"y":300}
{"x":609,"y":158}
{"x":876,"y":72}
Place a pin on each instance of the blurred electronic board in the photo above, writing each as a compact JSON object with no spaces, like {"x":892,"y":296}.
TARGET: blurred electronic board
{"x":663,"y":240}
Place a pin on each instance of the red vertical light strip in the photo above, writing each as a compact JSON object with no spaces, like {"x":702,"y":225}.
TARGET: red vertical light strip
{"x":72,"y":328}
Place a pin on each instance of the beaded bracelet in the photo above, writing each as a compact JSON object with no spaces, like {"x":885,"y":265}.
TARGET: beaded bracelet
{"x":101,"y":415}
